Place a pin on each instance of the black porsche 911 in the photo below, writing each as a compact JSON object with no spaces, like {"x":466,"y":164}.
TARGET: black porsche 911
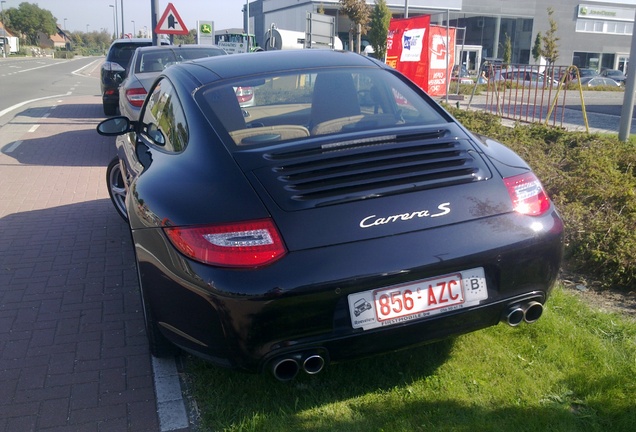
{"x":343,"y":214}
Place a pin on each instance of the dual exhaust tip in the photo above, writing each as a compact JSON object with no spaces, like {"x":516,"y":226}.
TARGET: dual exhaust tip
{"x":528,"y":312}
{"x":287,"y":367}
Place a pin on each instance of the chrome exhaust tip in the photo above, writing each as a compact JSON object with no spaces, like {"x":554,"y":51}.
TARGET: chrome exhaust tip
{"x":285,"y":369}
{"x":313,"y":364}
{"x":514,"y":316}
{"x":532,"y":312}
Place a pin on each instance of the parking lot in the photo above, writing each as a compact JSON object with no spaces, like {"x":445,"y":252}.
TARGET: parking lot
{"x":74,"y":355}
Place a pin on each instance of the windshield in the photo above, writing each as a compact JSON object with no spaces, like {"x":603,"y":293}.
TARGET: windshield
{"x":295,"y":106}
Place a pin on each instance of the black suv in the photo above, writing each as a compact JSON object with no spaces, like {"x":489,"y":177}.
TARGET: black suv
{"x":115,"y":69}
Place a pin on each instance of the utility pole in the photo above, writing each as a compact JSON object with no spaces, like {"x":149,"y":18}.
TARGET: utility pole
{"x":625,"y":125}
{"x":154,"y":7}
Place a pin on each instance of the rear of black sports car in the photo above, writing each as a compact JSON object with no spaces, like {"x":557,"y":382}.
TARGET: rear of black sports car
{"x":277,"y":243}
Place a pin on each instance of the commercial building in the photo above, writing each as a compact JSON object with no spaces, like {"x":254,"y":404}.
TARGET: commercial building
{"x":592,"y":34}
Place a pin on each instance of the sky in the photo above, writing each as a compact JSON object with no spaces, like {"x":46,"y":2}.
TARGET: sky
{"x":97,"y":14}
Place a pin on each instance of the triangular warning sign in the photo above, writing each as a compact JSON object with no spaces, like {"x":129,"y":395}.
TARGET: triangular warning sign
{"x":171,"y":23}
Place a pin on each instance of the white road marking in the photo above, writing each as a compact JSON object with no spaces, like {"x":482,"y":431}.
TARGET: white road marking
{"x":16,"y":106}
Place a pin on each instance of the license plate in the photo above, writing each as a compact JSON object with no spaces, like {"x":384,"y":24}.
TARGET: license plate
{"x":402,"y":303}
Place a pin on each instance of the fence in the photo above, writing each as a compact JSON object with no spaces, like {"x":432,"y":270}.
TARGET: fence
{"x":528,"y":93}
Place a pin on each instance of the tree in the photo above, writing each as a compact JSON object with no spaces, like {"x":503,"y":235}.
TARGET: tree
{"x":550,"y":48}
{"x":358,"y":12}
{"x":507,"y":55}
{"x":379,"y":28}
{"x":536,"y":48}
{"x":190,"y":38}
{"x":29,"y":20}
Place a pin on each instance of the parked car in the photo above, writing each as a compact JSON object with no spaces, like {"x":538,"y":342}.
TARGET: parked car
{"x":596,"y":81}
{"x":344,"y":214}
{"x":145,"y":66}
{"x":615,"y":74}
{"x":526,"y":78}
{"x":588,"y":72}
{"x":115,"y":69}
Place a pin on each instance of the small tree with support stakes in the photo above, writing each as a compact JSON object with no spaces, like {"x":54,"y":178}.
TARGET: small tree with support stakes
{"x":550,"y":50}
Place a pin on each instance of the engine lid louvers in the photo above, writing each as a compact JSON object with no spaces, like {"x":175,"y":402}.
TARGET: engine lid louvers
{"x":346,"y":171}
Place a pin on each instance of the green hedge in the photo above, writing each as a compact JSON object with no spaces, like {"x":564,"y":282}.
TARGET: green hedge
{"x":592,"y":180}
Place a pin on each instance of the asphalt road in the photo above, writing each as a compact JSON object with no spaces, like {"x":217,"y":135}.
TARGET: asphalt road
{"x":31,"y":79}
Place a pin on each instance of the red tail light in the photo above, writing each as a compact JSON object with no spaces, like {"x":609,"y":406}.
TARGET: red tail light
{"x":527,"y":194}
{"x":136,"y":96}
{"x":244,"y":94}
{"x":244,"y":244}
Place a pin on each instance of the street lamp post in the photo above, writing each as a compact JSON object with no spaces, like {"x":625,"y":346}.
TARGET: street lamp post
{"x":87,"y":26}
{"x":114,"y":22}
{"x":133,"y":21}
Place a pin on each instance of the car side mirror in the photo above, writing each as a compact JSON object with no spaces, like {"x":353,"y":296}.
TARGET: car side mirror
{"x":114,"y":126}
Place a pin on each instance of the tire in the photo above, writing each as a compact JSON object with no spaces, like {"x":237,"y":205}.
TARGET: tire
{"x":110,"y":109}
{"x":116,"y":187}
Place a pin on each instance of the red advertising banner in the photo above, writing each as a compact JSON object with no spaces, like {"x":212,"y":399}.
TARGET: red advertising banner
{"x":407,"y":48}
{"x":421,"y":51}
{"x":442,"y":56}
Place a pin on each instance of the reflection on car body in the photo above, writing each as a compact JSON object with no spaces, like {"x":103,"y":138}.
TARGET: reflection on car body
{"x":343,"y":214}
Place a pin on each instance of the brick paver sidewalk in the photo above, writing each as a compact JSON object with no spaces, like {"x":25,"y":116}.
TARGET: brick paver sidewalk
{"x":73,"y":353}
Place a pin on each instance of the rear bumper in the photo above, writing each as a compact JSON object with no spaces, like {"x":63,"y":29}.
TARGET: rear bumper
{"x":243,"y":319}
{"x":110,"y":96}
{"x":109,"y":88}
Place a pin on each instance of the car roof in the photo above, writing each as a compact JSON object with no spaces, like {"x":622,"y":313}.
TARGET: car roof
{"x":237,"y":65}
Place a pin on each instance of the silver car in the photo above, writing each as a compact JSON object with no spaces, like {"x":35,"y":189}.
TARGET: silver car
{"x":147,"y":63}
{"x":526,"y":78}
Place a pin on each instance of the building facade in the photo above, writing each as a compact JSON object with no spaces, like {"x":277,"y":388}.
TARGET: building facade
{"x":592,"y":34}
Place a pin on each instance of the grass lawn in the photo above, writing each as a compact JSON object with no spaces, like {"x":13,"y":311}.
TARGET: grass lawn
{"x":574,"y":370}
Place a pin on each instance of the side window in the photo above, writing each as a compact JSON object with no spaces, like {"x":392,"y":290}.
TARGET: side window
{"x":164,"y":122}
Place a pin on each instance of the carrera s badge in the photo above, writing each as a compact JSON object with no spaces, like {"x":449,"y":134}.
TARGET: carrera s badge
{"x":374,"y":220}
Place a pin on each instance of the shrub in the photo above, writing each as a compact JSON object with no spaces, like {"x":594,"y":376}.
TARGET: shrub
{"x":592,"y":180}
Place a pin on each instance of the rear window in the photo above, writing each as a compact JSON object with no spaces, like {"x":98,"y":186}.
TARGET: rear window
{"x":296,"y":106}
{"x":158,"y":60}
{"x":122,"y":53}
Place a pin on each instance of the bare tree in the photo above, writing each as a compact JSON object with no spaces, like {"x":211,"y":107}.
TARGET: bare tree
{"x":359,"y":13}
